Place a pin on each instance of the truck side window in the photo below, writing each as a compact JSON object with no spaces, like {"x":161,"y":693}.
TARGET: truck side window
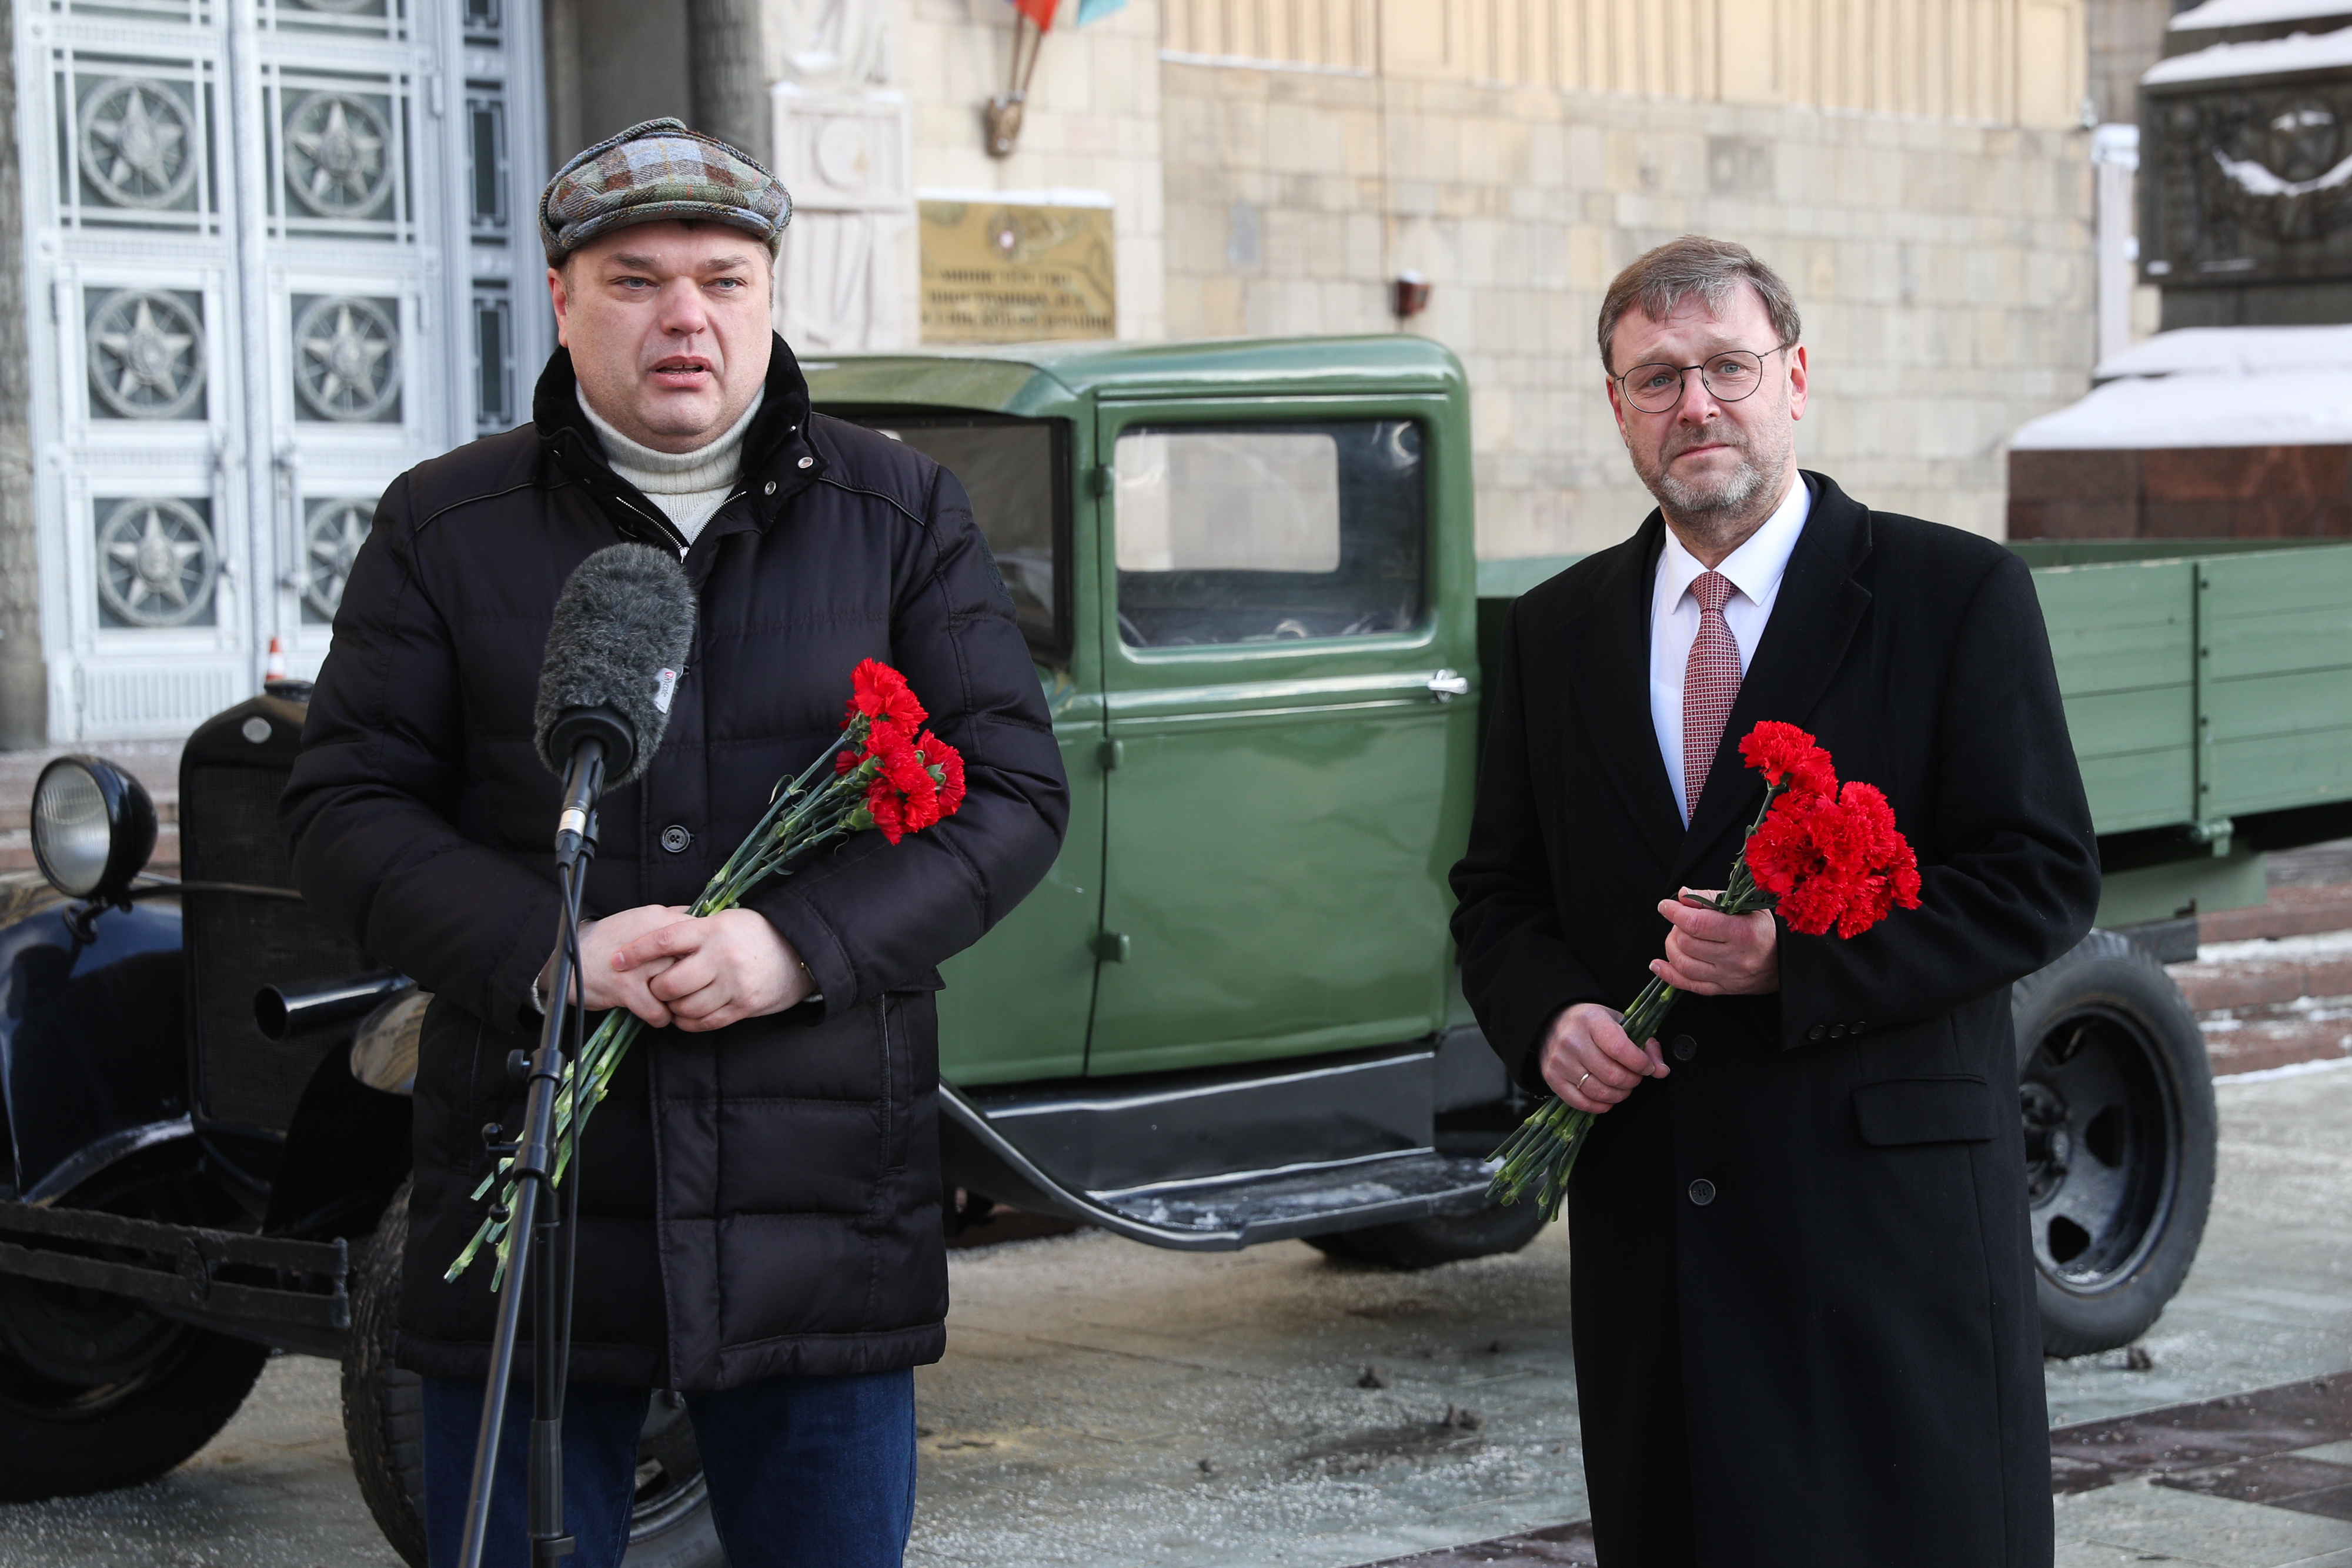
{"x":1261,"y":532}
{"x":1012,"y":469}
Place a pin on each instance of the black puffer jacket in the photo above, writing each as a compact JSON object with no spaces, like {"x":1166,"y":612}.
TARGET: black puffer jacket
{"x":763,"y":1198}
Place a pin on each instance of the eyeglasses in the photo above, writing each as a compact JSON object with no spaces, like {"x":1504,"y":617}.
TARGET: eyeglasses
{"x":1728,"y":376}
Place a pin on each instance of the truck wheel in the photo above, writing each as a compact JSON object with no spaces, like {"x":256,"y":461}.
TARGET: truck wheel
{"x":2117,"y":1101}
{"x":384,"y":1420}
{"x":96,"y":1392}
{"x":1437,"y":1238}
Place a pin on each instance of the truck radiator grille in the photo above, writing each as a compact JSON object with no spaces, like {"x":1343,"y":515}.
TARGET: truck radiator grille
{"x":238,"y":943}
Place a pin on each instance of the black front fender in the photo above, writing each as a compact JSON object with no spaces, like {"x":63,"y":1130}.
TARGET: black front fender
{"x":93,"y":1053}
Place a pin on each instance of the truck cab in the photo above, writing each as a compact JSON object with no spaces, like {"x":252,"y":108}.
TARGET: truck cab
{"x":1245,"y":573}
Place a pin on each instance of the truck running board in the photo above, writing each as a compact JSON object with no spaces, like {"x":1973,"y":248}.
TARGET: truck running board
{"x":1222,"y":1213}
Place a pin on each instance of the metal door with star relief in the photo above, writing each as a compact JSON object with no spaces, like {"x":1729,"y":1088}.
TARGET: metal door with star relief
{"x":277,"y":251}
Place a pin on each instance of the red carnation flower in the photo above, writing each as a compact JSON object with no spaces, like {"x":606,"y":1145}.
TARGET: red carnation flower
{"x":1787,"y":756}
{"x":879,"y":692}
{"x":947,"y":764}
{"x":903,"y":798}
{"x":1834,"y":860}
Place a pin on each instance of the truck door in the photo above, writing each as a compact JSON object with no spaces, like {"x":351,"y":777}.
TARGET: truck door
{"x":1016,"y":1004}
{"x":1284,"y":773}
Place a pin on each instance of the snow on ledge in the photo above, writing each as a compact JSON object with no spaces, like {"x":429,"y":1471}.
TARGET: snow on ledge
{"x":2265,"y":56}
{"x":2282,"y":408}
{"x":2232,"y":351}
{"x":2254,"y":12}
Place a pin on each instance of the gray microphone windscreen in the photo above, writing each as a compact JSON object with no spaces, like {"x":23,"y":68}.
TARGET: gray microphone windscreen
{"x":620,"y":638}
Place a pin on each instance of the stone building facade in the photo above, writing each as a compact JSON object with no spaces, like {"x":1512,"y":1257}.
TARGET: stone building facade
{"x":1919,"y":169}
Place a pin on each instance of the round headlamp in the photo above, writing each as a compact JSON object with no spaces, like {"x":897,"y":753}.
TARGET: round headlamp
{"x":93,"y":827}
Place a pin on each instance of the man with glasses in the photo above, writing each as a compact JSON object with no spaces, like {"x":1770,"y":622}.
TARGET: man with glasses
{"x":1802,"y":1292}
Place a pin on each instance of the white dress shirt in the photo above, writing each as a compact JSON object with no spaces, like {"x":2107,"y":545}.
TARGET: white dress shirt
{"x":1755,"y":570}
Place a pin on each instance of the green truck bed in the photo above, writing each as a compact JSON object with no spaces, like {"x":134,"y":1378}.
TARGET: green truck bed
{"x":2208,"y":690}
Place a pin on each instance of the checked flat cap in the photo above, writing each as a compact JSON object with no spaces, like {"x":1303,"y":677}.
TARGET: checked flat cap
{"x":657,"y":171}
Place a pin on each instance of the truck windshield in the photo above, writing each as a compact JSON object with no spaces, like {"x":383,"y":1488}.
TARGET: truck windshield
{"x":1262,"y":532}
{"x":1012,"y":469}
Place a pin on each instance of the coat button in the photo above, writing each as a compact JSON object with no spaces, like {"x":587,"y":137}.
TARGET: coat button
{"x":676,"y":839}
{"x":1702,"y":1192}
{"x":808,"y":462}
{"x":1819,"y":1031}
{"x":1685,"y":1048}
{"x":1837,"y":1031}
{"x":768,"y":488}
{"x":1860,"y":1024}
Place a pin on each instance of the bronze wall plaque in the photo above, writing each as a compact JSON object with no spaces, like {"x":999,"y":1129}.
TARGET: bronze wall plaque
{"x":999,"y":272}
{"x":2247,"y":182}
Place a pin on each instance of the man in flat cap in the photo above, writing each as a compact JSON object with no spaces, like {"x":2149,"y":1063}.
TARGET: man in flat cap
{"x":759,"y":1233}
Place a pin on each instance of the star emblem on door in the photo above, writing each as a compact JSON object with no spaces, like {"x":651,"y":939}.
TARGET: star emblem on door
{"x":134,"y":143}
{"x":156,"y":562}
{"x":146,"y":354}
{"x":335,"y":155}
{"x":346,"y":359}
{"x":330,"y":543}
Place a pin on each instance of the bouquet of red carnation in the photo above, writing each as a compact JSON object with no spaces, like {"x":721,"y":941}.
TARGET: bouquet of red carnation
{"x":889,"y":773}
{"x":1820,"y":853}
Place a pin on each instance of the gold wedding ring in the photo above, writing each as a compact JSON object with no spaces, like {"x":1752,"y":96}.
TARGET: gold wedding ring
{"x":1579,"y":1084}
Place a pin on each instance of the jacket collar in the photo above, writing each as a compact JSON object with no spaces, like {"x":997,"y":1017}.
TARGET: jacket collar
{"x":773,"y":453}
{"x":1813,"y":623}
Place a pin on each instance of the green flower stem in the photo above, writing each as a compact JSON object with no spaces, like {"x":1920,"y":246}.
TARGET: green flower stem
{"x":1538,"y":1155}
{"x":797,"y":820}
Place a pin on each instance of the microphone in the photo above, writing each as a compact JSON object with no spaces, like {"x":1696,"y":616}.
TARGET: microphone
{"x":613,"y":656}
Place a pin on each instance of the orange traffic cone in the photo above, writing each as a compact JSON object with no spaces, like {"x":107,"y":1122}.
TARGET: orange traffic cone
{"x":275,"y":670}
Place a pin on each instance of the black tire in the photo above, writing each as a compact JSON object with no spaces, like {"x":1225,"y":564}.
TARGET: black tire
{"x":383,"y":1421}
{"x":1437,"y":1238}
{"x":96,"y":1392}
{"x":2117,"y":1100}
{"x":383,"y":1407}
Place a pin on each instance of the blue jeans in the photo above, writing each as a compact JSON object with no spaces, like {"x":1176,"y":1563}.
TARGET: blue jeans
{"x":804,"y":1471}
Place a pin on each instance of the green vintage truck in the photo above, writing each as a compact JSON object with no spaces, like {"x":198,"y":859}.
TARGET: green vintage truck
{"x":1230,"y":1014}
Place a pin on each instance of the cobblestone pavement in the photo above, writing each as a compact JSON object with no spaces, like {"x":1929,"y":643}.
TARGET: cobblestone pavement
{"x":1106,"y":1404}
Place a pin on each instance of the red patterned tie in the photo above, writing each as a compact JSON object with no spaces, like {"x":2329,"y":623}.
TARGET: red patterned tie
{"x":1710,"y":683}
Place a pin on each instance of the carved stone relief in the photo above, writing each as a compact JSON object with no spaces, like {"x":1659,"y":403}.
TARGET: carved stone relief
{"x":841,"y":138}
{"x":2247,"y":183}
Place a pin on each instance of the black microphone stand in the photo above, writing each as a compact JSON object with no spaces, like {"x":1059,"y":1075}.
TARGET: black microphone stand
{"x":552,"y":1234}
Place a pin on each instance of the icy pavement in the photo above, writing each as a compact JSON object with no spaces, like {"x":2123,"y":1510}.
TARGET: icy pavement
{"x":1087,"y":1379}
{"x":1090,"y":1379}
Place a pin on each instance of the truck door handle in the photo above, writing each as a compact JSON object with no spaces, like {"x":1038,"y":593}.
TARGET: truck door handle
{"x":1448,"y":685}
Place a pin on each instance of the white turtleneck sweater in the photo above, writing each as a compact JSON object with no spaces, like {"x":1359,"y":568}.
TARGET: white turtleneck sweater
{"x":689,"y":486}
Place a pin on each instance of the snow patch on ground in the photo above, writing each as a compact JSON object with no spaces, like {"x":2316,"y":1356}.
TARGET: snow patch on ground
{"x":2291,"y":1069}
{"x":2321,"y":944}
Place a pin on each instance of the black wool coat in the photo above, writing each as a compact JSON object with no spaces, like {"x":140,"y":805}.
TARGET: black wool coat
{"x":1802,"y":1290}
{"x":762,"y":1199}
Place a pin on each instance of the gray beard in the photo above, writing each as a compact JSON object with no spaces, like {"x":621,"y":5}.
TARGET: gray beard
{"x":1716,"y":512}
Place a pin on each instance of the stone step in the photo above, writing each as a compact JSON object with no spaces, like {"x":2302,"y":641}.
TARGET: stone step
{"x":2315,"y":1029}
{"x":2293,"y":910}
{"x":2229,"y":980}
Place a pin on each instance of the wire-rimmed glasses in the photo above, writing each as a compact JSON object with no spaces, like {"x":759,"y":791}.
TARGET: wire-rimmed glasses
{"x":1729,"y":375}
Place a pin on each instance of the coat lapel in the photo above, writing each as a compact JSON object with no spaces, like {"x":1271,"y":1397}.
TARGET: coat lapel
{"x":1813,"y":621}
{"x":1609,"y":686}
